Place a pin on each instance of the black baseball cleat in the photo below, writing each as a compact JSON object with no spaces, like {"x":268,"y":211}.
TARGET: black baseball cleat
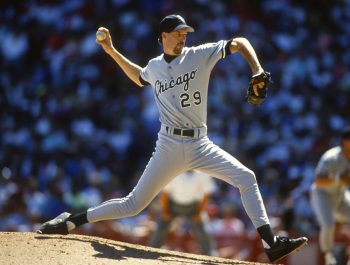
{"x":284,"y":246}
{"x":57,"y":225}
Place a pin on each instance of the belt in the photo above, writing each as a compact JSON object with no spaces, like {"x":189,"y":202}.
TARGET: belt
{"x":190,"y":133}
{"x":183,"y":132}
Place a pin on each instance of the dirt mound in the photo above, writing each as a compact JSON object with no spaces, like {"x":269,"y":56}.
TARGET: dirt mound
{"x":33,"y":249}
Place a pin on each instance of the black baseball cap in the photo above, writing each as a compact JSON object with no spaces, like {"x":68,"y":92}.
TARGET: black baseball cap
{"x":173,"y":22}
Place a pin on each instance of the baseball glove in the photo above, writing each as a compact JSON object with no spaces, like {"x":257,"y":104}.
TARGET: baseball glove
{"x":257,"y":90}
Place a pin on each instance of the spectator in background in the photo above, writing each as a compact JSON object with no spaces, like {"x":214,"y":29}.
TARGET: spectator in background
{"x":186,"y":197}
{"x":230,"y":232}
{"x":330,"y":195}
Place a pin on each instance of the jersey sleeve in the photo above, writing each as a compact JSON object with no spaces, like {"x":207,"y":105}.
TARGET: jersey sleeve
{"x":325,"y":166}
{"x":144,"y":76}
{"x":212,"y":52}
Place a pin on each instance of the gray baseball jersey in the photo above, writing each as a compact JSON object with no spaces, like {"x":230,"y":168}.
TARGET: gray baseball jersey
{"x":333,"y":165}
{"x":181,"y":86}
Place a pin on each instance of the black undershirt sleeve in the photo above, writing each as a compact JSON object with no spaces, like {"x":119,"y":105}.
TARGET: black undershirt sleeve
{"x":143,"y":82}
{"x":227,"y":47}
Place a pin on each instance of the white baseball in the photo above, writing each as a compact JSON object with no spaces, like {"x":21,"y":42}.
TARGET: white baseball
{"x":100,"y":35}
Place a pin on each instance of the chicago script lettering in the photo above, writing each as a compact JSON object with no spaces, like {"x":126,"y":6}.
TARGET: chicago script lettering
{"x":162,"y":86}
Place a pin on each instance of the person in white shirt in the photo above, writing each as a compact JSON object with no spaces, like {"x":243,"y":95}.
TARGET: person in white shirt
{"x":186,"y":197}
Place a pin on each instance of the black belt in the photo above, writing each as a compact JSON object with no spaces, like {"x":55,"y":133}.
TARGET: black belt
{"x":187,"y":132}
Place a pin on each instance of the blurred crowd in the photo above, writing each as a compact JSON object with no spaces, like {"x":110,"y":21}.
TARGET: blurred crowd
{"x":75,"y":131}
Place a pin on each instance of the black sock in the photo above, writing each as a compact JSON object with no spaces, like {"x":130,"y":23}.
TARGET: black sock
{"x":78,"y":219}
{"x":266,"y":234}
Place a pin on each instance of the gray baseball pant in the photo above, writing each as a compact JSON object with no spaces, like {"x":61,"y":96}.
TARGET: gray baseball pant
{"x":174,"y":155}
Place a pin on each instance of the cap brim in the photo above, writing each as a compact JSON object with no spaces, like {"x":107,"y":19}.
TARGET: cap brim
{"x":189,"y":28}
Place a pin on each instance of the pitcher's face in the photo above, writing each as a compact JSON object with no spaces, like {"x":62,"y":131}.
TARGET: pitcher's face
{"x":173,"y":42}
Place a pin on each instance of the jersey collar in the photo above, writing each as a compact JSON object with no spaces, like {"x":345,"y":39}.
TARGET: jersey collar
{"x":169,"y":58}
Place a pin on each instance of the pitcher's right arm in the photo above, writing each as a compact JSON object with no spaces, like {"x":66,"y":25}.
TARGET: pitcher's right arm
{"x":131,"y":69}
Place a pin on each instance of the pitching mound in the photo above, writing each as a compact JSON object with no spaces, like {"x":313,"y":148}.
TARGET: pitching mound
{"x":33,"y":249}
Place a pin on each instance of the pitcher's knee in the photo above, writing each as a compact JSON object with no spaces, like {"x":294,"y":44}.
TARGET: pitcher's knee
{"x":246,"y":179}
{"x":134,"y":207}
{"x":134,"y":212}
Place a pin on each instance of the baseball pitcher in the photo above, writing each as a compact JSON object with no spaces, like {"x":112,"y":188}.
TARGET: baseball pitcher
{"x":179,"y":79}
